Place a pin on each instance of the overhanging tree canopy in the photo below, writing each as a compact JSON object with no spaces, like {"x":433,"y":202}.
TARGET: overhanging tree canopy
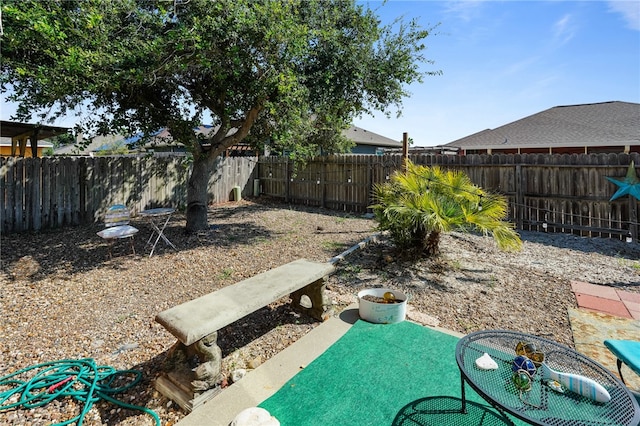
{"x":290,"y":72}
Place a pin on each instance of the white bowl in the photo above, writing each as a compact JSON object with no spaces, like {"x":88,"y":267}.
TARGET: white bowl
{"x":382,"y":313}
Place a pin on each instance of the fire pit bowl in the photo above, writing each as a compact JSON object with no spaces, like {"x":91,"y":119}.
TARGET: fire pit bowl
{"x":382,"y":305}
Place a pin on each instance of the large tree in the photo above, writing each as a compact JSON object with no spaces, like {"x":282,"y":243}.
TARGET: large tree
{"x":292,"y":73}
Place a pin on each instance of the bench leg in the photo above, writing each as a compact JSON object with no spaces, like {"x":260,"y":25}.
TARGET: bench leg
{"x":198,"y":364}
{"x":210,"y":355}
{"x":193,"y":373}
{"x":319,"y":302}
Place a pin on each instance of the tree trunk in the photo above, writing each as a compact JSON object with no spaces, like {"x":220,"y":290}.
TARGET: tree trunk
{"x":198,"y":194}
{"x":432,"y":244}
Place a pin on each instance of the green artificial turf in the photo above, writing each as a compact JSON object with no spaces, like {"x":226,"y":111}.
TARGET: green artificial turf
{"x":377,"y":374}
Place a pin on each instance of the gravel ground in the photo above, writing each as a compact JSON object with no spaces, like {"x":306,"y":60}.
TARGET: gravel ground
{"x":62,"y":299}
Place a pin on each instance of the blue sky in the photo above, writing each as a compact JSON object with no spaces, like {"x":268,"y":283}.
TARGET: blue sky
{"x":505,"y":60}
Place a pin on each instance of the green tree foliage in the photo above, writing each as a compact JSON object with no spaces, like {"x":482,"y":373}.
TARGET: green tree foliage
{"x":291,"y":73}
{"x":416,"y":207}
{"x":63,"y":140}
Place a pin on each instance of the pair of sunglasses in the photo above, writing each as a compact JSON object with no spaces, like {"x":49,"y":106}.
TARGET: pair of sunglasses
{"x":531,"y":351}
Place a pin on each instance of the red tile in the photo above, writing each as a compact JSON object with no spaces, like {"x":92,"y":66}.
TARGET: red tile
{"x":628,"y":296}
{"x":631,"y":306}
{"x":601,"y":291}
{"x":612,"y":307}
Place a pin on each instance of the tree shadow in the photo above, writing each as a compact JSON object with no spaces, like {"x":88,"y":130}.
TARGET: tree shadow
{"x":70,"y":250}
{"x":257,"y":324}
{"x":77,"y":249}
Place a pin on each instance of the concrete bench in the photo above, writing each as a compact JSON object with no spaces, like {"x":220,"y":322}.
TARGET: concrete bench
{"x":196,"y":323}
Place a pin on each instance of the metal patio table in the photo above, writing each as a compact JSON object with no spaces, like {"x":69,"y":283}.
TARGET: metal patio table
{"x":541,"y":405}
{"x":155,"y":218}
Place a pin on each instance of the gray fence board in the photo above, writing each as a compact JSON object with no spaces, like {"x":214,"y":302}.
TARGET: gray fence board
{"x":552,"y":193}
{"x":38,"y":193}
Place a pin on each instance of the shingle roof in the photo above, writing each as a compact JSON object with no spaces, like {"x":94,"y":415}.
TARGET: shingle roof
{"x":163,"y":138}
{"x":365,"y":137}
{"x":96,"y":144}
{"x":599,"y":124}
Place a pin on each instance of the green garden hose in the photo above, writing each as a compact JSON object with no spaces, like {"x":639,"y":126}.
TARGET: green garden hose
{"x":80,"y":379}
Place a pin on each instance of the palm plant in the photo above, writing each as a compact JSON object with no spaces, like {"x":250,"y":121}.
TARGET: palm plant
{"x":417,"y":206}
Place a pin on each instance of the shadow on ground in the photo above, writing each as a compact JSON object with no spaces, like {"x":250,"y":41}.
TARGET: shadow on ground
{"x":446,"y":411}
{"x":70,"y":250}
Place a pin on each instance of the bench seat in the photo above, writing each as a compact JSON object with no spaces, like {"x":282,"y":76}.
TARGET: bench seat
{"x":193,"y":320}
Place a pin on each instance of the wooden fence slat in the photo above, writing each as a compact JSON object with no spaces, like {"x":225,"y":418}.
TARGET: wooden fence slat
{"x":19,"y":197}
{"x":48,"y":193}
{"x":76,"y":192}
{"x":28,"y":187}
{"x":7,"y":186}
{"x":3,"y":192}
{"x":36,"y":194}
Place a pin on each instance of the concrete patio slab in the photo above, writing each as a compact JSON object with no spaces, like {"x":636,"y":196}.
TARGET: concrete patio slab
{"x":590,"y":328}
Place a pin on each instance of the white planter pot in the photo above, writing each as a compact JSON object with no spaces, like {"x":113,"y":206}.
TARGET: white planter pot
{"x":382,"y":313}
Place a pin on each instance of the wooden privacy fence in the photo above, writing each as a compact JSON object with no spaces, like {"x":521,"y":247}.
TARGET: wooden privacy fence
{"x":552,"y":193}
{"x":50,"y":192}
{"x":549,"y":193}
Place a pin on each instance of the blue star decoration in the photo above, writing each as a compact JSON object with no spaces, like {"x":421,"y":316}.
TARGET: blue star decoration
{"x":629,"y":186}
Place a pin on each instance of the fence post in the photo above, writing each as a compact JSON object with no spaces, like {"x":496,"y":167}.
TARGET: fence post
{"x":519,"y":207}
{"x":287,"y":180}
{"x":323,"y":182}
{"x":405,"y":151}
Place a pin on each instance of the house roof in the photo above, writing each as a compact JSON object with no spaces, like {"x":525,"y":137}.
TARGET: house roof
{"x":163,"y":138}
{"x":97,"y":143}
{"x":598,"y":124}
{"x":364,"y":137}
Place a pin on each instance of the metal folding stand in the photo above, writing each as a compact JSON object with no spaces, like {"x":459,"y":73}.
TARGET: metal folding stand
{"x":155,"y":218}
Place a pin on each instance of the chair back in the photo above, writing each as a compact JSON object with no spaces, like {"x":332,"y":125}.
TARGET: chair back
{"x":117,"y":215}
